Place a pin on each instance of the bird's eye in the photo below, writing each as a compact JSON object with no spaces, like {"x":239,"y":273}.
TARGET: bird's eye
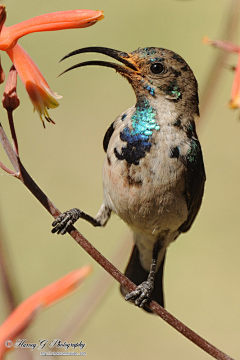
{"x":157,"y":68}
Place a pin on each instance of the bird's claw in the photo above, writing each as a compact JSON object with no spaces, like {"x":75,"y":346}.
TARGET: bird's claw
{"x":62,"y":223}
{"x":142,"y":293}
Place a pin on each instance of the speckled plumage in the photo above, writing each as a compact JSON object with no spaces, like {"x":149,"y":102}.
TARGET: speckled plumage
{"x":153,"y":173}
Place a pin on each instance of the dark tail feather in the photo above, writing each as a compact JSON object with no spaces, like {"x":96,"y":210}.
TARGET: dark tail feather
{"x":137,"y":274}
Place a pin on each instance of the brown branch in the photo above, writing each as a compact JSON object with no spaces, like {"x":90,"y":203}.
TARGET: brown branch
{"x":13,"y":132}
{"x":11,"y":102}
{"x":26,"y":179}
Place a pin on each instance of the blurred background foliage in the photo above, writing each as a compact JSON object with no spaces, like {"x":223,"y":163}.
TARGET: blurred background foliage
{"x":202,"y":269}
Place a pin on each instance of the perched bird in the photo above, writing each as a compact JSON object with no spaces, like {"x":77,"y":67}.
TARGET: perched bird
{"x":153,"y":173}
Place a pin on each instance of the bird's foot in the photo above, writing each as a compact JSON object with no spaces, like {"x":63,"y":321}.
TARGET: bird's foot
{"x":142,"y":293}
{"x":62,"y":223}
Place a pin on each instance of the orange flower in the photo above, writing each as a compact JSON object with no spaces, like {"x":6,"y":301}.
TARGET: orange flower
{"x":38,"y":90}
{"x":234,"y":103}
{"x":49,"y":22}
{"x":221,"y":44}
{"x":23,"y":315}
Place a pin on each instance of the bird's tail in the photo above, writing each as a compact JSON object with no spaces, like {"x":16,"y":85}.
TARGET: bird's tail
{"x":137,"y":274}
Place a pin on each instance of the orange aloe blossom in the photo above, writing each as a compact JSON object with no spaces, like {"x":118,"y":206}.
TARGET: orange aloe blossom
{"x":234,"y":103}
{"x":23,"y":315}
{"x":38,"y":90}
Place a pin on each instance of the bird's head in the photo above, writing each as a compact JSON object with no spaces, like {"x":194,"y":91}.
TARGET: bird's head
{"x":152,"y":72}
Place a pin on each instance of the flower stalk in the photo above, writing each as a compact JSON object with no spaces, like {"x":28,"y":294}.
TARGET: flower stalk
{"x":11,"y":102}
{"x":228,"y":46}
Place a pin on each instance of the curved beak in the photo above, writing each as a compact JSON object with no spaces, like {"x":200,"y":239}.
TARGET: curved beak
{"x":129,"y":68}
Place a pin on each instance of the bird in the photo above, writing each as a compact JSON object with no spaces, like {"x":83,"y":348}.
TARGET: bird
{"x":153,"y":172}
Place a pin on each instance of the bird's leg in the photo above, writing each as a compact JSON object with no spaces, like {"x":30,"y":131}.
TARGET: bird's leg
{"x":143,"y":291}
{"x":65,"y":220}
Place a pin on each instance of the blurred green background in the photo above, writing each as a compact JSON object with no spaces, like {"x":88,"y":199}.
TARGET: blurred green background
{"x":202,"y":273}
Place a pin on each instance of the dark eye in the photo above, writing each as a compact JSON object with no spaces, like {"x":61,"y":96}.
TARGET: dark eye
{"x":157,"y":68}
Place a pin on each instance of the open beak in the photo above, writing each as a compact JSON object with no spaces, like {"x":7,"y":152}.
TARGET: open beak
{"x":128,"y":69}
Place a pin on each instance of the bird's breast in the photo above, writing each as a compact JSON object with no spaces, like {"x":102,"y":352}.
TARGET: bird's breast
{"x":144,"y":178}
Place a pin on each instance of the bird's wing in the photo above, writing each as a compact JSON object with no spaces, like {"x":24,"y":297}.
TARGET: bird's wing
{"x":195,"y":180}
{"x":107,"y":136}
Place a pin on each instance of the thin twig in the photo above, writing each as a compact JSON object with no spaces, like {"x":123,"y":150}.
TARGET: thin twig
{"x":13,"y":132}
{"x":96,"y":255}
{"x":11,"y":102}
{"x":9,"y":151}
{"x":6,"y":169}
{"x":8,"y":285}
